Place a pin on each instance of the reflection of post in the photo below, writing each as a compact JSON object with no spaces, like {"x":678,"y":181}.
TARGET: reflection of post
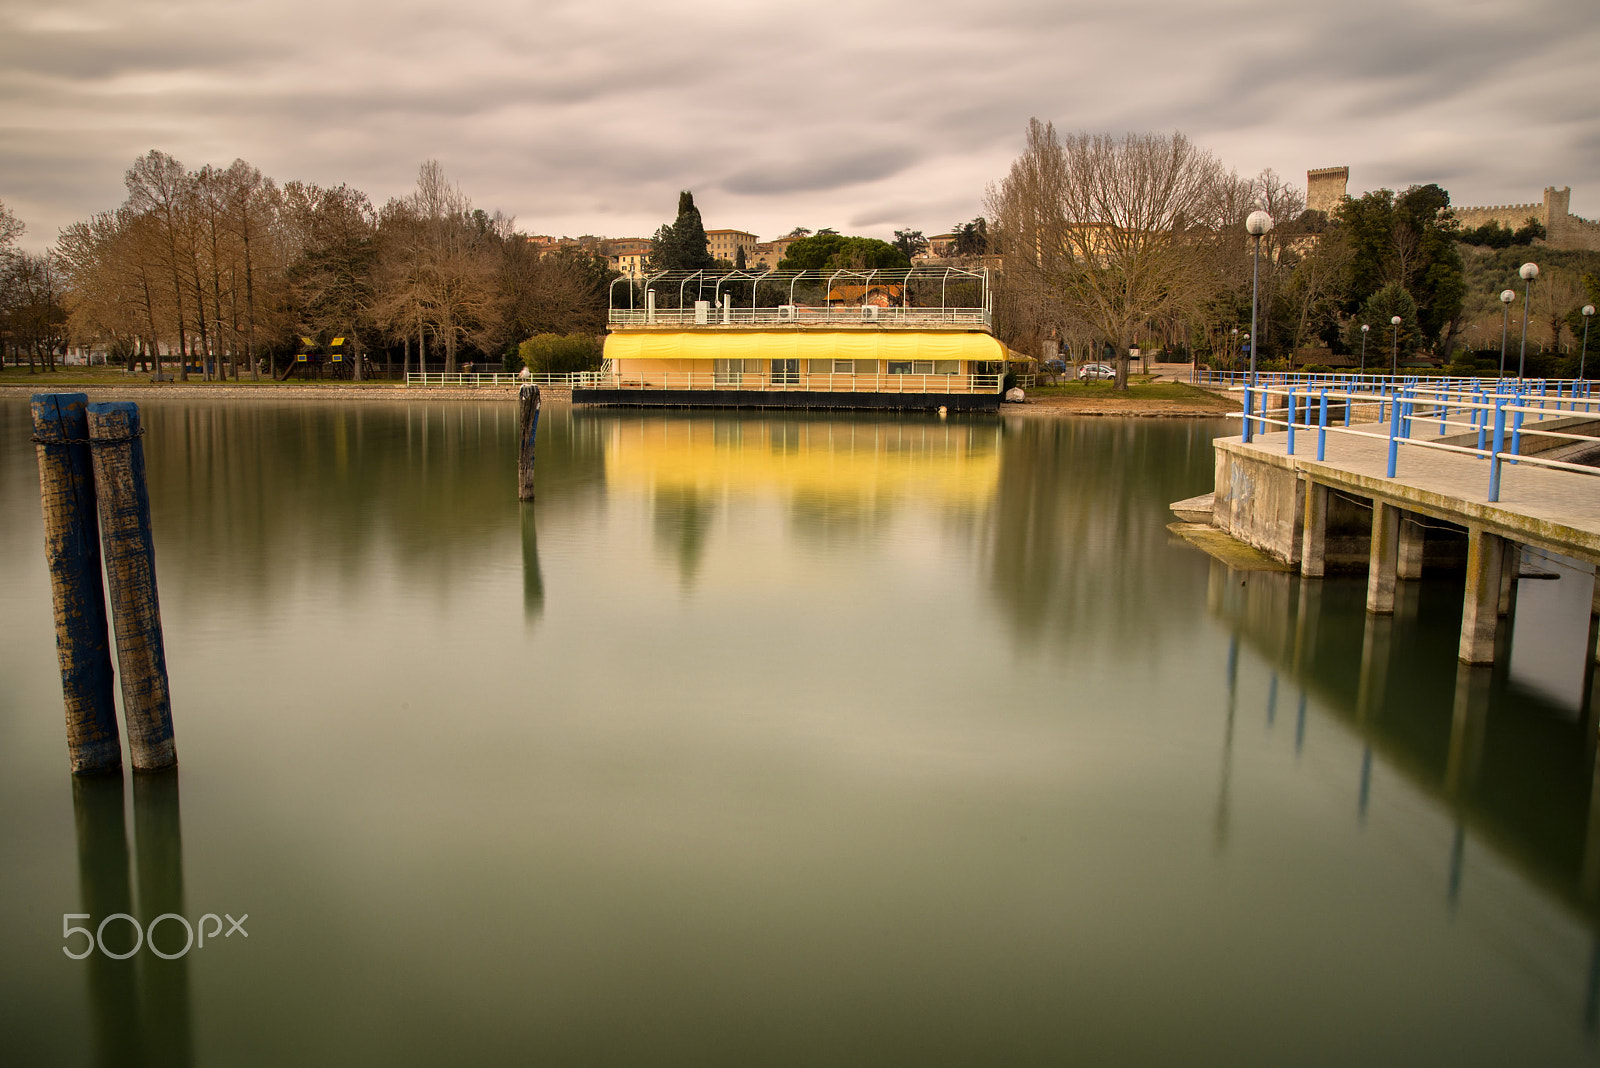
{"x":1591,"y":1001}
{"x":1467,"y":726}
{"x":1376,"y":643}
{"x":72,"y":552}
{"x":1458,"y":864}
{"x":1366,"y":785}
{"x":158,"y":840}
{"x":1221,"y":827}
{"x":104,"y":890}
{"x":532,"y":577}
{"x":527,"y":429}
{"x":1307,"y":613}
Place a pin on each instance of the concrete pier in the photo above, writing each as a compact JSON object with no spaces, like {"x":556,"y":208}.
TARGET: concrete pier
{"x":1310,"y":515}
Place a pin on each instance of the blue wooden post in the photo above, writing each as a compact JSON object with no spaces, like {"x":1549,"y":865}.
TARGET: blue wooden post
{"x":1247,"y":392}
{"x":1394,"y":434}
{"x":1499,"y":443}
{"x":1322,"y":427}
{"x":131,"y":577}
{"x":72,"y":553}
{"x":1516,"y":436}
{"x":1480,"y":416}
{"x":1289,"y":412}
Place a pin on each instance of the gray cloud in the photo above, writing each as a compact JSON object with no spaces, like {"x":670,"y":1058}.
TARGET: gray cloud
{"x":582,"y":117}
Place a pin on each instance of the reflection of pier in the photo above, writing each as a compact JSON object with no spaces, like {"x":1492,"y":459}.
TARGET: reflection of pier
{"x":1512,"y":772}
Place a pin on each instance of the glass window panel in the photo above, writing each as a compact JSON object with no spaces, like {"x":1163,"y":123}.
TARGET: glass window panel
{"x":899,"y":367}
{"x":946,"y":367}
{"x":922,"y":367}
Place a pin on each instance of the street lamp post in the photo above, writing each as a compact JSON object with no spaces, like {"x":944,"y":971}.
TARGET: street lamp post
{"x":1588,"y":313}
{"x":1506,"y":297}
{"x":1258,"y":223}
{"x":1394,"y":358}
{"x":1364,"y":329}
{"x":1529,"y":272}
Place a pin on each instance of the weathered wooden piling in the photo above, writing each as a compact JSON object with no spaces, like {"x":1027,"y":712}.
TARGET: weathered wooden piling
{"x":528,"y":427}
{"x":131,"y":573}
{"x":72,"y":551}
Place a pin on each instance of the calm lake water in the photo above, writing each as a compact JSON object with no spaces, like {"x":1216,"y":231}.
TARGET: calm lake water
{"x":782,"y":739}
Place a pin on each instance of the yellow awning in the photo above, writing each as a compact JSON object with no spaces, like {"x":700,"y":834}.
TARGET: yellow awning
{"x":803,"y":345}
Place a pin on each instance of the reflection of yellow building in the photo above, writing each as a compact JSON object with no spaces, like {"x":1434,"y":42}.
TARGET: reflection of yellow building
{"x":937,"y":461}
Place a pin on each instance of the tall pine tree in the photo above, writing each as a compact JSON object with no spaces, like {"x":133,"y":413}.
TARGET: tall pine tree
{"x":682,"y":245}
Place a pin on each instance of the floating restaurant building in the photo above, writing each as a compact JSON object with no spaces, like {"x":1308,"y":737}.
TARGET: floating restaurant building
{"x":917,"y":338}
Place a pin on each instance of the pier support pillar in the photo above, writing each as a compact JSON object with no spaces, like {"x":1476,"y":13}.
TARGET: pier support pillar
{"x":1384,"y":558}
{"x":1594,"y":614}
{"x":1412,"y":536}
{"x":1480,"y":610}
{"x":1314,"y":536}
{"x":1510,"y":572}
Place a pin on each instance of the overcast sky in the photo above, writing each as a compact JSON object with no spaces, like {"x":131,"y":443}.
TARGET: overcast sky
{"x":865,"y":116}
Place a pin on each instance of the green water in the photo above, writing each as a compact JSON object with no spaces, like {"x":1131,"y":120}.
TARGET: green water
{"x":774,"y":739}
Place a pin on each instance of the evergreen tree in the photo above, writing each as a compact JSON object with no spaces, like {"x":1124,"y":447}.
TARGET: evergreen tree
{"x":1406,"y":241}
{"x":681,"y":246}
{"x":1376,"y":311}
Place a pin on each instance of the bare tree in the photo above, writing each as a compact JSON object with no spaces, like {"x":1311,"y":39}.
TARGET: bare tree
{"x":1113,"y":230}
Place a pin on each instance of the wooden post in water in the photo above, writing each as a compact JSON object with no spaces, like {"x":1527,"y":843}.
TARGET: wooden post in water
{"x":72,"y":551}
{"x":131,"y":573}
{"x":528,"y":426}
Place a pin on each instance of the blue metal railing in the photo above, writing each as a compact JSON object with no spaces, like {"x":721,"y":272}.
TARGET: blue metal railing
{"x":1470,"y":405}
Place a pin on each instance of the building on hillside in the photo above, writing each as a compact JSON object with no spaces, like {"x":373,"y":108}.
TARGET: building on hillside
{"x":917,"y":338}
{"x":725,"y":245}
{"x":628,"y":255}
{"x":780,"y":248}
{"x":940,"y":247}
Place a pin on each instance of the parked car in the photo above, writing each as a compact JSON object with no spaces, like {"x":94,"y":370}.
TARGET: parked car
{"x":1096,"y":372}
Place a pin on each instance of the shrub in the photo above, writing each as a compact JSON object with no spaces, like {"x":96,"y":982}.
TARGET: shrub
{"x":552,"y":354}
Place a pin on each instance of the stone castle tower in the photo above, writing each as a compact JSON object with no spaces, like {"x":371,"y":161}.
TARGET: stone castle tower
{"x":1325,"y":188}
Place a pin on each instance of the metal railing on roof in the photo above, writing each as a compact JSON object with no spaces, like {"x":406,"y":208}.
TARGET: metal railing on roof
{"x":905,"y":298}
